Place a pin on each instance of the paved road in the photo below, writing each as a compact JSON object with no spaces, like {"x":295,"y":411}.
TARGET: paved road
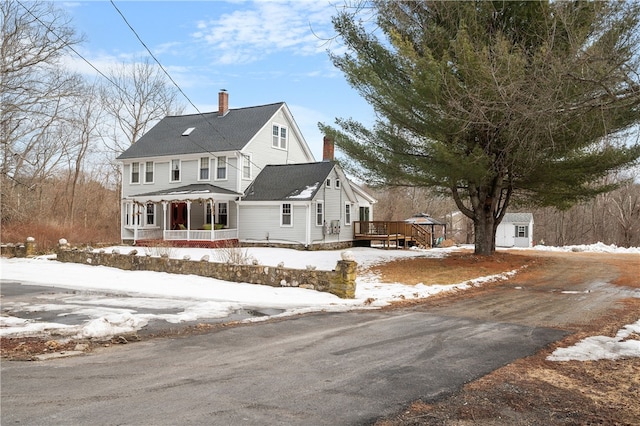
{"x":320,"y":369}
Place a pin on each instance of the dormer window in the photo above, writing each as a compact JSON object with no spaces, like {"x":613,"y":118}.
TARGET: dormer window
{"x":188,"y":131}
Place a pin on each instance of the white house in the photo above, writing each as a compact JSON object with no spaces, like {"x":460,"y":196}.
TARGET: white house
{"x":515,"y":230}
{"x":192,"y":180}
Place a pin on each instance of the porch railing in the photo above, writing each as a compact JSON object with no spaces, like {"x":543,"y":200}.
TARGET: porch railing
{"x":201,"y":235}
{"x":187,"y":235}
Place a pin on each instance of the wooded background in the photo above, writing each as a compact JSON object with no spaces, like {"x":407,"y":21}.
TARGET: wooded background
{"x":61,"y":133}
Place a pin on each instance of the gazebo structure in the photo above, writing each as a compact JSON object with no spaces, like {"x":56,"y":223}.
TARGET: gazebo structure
{"x":427,"y":221}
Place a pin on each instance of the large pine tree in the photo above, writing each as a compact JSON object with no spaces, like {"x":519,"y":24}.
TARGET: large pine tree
{"x":493,"y":101}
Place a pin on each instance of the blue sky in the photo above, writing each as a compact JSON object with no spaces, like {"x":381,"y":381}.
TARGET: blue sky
{"x":261,"y":52}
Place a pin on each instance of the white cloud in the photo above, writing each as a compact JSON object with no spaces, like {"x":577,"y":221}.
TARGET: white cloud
{"x":263,"y":28}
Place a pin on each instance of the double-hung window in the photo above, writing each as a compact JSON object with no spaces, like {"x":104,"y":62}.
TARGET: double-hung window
{"x":221,"y":168}
{"x":223,"y":214}
{"x":148,"y":172}
{"x":319,"y":213}
{"x":279,"y":134}
{"x":204,"y":168}
{"x":286,"y":215}
{"x":135,"y":172}
{"x":151,"y":214}
{"x":207,"y":212}
{"x":175,"y":171}
{"x":246,"y":166}
{"x":347,"y":214}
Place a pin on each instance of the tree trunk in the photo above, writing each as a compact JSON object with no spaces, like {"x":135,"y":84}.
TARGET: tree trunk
{"x":485,"y":234}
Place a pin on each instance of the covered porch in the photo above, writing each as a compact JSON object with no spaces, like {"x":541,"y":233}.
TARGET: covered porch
{"x":197,"y":215}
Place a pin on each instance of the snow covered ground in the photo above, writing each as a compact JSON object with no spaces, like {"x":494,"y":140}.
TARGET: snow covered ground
{"x":134,"y":293}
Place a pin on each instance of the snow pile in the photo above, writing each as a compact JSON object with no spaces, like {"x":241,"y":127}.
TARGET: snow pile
{"x":625,"y":344}
{"x":134,"y":294}
{"x":593,"y":248}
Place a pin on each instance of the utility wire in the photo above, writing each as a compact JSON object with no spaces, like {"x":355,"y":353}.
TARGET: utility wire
{"x":49,"y":29}
{"x":179,"y":89}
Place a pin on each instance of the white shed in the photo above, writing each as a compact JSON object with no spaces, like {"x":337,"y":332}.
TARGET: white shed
{"x":515,"y":230}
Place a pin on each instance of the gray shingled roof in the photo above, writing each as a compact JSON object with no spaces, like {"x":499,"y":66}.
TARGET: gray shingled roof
{"x":517,"y":217}
{"x":289,"y":182}
{"x":211,"y":133}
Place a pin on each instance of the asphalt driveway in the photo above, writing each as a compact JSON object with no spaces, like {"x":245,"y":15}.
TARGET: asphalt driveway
{"x":319,"y":369}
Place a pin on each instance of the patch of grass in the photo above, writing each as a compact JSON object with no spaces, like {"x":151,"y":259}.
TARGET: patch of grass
{"x":453,"y":269}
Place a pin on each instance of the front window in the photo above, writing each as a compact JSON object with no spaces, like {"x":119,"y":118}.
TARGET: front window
{"x":135,"y":172}
{"x":246,"y":167}
{"x":347,"y":214}
{"x":319,"y":213}
{"x":328,"y":183}
{"x":221,"y":168}
{"x":286,"y":216}
{"x":204,"y":168}
{"x":151,"y":213}
{"x":175,"y":170}
{"x":337,"y":183}
{"x":279,"y":134}
{"x":148,"y":172}
{"x":223,"y":214}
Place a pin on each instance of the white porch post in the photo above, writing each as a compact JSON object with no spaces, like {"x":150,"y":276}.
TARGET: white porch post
{"x":134,"y":217}
{"x":211,"y":207}
{"x":164,"y":218}
{"x":188,"y":220}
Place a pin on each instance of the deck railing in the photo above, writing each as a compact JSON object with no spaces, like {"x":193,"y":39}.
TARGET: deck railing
{"x":399,"y":233}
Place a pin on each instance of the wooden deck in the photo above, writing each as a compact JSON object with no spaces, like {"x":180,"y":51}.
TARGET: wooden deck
{"x":390,"y":234}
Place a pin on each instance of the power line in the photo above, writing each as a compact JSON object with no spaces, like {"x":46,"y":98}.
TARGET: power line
{"x":179,"y":89}
{"x":49,"y":29}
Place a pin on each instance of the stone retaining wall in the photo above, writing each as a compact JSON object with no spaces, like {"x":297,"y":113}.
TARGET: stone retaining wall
{"x":341,"y":281}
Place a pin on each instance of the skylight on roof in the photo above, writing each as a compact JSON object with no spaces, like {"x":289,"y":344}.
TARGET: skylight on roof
{"x":188,"y":131}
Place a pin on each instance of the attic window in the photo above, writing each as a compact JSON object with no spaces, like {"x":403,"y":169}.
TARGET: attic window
{"x":188,"y":131}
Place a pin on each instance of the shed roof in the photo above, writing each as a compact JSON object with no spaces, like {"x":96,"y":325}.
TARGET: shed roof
{"x":517,"y":218}
{"x":209,"y":132}
{"x":292,"y":182}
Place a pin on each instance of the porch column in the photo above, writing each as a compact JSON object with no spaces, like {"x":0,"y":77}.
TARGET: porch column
{"x":135,"y":216}
{"x":188,"y":220}
{"x":212,"y":205}
{"x":164,"y":218}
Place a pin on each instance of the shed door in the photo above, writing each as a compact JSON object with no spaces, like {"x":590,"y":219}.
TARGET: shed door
{"x":521,"y":236}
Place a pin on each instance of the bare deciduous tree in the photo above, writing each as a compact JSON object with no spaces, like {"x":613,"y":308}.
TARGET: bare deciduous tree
{"x":137,"y":95}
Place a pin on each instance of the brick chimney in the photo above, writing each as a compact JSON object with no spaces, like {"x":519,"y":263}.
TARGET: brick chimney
{"x":223,"y":103}
{"x":328,"y":149}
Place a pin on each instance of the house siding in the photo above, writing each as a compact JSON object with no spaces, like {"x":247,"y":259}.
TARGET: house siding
{"x":263,"y":153}
{"x":262,"y":223}
{"x":189,"y":174}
